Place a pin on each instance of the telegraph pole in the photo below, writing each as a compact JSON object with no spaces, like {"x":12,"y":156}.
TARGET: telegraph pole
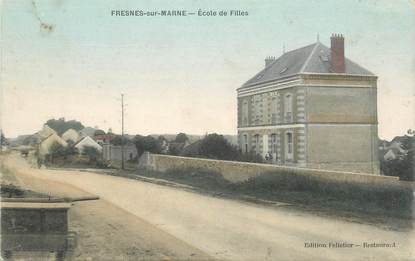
{"x":122,"y":131}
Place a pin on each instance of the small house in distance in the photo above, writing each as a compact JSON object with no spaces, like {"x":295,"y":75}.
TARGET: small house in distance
{"x":46,"y":144}
{"x":87,"y":142}
{"x":311,"y":107}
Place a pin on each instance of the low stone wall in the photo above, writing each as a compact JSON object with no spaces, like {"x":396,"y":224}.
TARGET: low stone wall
{"x":242,"y":171}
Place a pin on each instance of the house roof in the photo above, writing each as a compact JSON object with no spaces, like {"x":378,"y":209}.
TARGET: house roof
{"x":85,"y":139}
{"x":69,"y":134}
{"x":56,"y":137}
{"x":45,"y":132}
{"x":313,"y":58}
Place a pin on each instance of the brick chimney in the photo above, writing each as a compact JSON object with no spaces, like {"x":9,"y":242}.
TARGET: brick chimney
{"x":337,"y":53}
{"x":269,"y":60}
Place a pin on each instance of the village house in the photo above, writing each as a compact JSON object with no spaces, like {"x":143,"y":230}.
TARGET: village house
{"x":46,"y":144}
{"x":103,"y":138}
{"x":87,"y":142}
{"x":394,"y":149}
{"x":313,"y":108}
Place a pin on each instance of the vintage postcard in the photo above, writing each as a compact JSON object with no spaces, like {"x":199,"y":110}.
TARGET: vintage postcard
{"x":207,"y":130}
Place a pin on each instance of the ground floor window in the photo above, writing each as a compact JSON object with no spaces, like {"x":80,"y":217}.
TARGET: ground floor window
{"x":256,"y":143}
{"x":289,"y":146}
{"x":273,"y":143}
{"x":245,"y":143}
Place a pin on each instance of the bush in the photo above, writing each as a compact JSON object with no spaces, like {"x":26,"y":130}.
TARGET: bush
{"x":92,"y":153}
{"x":181,"y":138}
{"x":215,"y":146}
{"x":56,"y":150}
{"x":403,"y":166}
{"x":250,"y":156}
{"x":146,"y":143}
{"x":10,"y":190}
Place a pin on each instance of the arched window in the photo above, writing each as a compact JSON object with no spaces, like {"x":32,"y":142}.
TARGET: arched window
{"x":288,"y":107}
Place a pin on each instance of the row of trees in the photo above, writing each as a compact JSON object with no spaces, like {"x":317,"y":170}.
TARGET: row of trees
{"x":212,"y":146}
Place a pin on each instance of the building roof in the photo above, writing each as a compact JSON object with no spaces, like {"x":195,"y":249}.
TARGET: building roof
{"x":45,"y":132}
{"x":88,"y":141}
{"x":70,"y":134}
{"x":313,"y":59}
{"x":56,"y":138}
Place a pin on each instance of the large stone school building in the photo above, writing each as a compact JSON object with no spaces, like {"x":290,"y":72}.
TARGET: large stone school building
{"x":313,"y":108}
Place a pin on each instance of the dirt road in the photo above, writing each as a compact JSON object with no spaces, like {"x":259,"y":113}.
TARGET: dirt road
{"x":232,"y":230}
{"x":105,"y":231}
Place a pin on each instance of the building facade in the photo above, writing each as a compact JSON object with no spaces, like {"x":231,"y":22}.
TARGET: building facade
{"x":313,"y":108}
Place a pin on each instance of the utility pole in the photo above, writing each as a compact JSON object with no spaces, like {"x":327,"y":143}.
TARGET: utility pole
{"x":122,"y":131}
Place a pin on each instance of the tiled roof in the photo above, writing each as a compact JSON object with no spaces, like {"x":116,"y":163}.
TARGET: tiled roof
{"x":314,"y":58}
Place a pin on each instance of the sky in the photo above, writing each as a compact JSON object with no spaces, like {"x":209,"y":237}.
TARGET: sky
{"x":72,"y":59}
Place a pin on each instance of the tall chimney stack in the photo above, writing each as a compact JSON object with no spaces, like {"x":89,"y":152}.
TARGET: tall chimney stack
{"x":269,"y":60}
{"x":337,"y":53}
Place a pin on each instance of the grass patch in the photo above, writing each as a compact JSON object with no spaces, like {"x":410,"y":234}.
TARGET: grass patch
{"x":196,"y":177}
{"x":309,"y":190}
{"x":303,"y":190}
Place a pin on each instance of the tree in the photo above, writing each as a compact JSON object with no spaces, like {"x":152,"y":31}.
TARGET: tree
{"x":60,"y":125}
{"x":146,"y":143}
{"x":56,"y":150}
{"x":403,"y":166}
{"x":117,"y":140}
{"x":91,"y":152}
{"x":99,"y":132}
{"x":3,"y":140}
{"x":217,"y":147}
{"x":181,"y":138}
{"x":176,"y":149}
